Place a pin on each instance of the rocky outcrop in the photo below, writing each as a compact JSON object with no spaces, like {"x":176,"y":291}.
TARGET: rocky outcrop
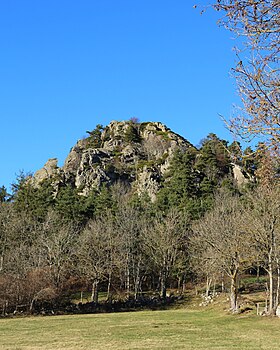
{"x":148,"y":181}
{"x":49,"y":170}
{"x":138,"y":154}
{"x":240,"y":176}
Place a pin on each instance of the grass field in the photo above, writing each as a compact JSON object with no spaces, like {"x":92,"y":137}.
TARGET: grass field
{"x":184,"y":328}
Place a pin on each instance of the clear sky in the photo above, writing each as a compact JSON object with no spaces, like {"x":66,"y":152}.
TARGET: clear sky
{"x":67,"y":65}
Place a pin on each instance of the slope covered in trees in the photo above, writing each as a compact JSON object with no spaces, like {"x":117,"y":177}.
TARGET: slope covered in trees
{"x":138,"y":209}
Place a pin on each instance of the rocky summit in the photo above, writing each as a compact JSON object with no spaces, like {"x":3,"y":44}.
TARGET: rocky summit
{"x":136,"y":154}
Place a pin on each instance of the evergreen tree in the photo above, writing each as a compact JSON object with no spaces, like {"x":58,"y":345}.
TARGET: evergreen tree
{"x":213,"y":160}
{"x":95,"y":136}
{"x":104,"y":200}
{"x":235,"y":152}
{"x":89,"y":204}
{"x":132,"y":134}
{"x":249,"y":161}
{"x":4,"y":195}
{"x":31,"y":200}
{"x":181,"y":182}
{"x":70,"y":205}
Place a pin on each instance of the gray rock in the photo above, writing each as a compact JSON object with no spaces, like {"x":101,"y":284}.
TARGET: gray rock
{"x":141,"y":164}
{"x":48,"y":171}
{"x":240,"y":176}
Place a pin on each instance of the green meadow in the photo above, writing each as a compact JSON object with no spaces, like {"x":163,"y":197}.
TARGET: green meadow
{"x":184,"y":328}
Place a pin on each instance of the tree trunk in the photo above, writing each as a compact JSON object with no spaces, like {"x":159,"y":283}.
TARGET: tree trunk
{"x":208,"y":286}
{"x":127,"y":276}
{"x":184,"y":287}
{"x":32,"y":305}
{"x":278,"y":285}
{"x":234,"y":293}
{"x":223,"y":285}
{"x":94,"y":292}
{"x":271,"y":305}
{"x":1,"y":262}
{"x":179,"y":283}
{"x":5,"y":307}
{"x":270,"y":297}
{"x":109,"y":286}
{"x":258,"y":274}
{"x":137,"y":279}
{"x":163,"y":285}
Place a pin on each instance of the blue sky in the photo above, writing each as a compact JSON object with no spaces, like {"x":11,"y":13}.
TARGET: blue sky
{"x":68,"y":65}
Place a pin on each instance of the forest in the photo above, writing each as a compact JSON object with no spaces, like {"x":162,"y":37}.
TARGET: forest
{"x":204,"y":228}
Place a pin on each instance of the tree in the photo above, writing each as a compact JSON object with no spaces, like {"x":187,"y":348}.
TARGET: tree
{"x":33,"y":201}
{"x":94,"y":140}
{"x":94,"y":252}
{"x":56,"y":242}
{"x":104,"y":199}
{"x":257,"y":71}
{"x":220,"y":240}
{"x":6,"y":213}
{"x":19,"y":256}
{"x":235,"y":151}
{"x":249,"y":161}
{"x":180,"y":187}
{"x":267,"y":166}
{"x":263,"y":223}
{"x":132,"y":133}
{"x":165,"y":244}
{"x":4,"y":195}
{"x":130,"y":224}
{"x":69,"y":204}
{"x":213,"y":165}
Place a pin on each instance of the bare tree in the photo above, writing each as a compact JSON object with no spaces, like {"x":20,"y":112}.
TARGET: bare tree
{"x":257,"y":25}
{"x":204,"y":266}
{"x":221,"y":241}
{"x":94,"y":252}
{"x":263,"y":222}
{"x":56,"y":242}
{"x":130,"y":225}
{"x":23,"y":268}
{"x":165,"y":243}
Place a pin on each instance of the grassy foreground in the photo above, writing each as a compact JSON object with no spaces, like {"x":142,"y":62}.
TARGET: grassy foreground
{"x":207,"y":328}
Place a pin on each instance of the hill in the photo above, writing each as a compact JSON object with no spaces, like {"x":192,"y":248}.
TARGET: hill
{"x":118,"y":218}
{"x":147,"y":159}
{"x":137,"y":155}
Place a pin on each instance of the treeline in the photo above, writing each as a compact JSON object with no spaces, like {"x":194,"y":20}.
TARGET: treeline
{"x":124,"y":251}
{"x":54,"y":242}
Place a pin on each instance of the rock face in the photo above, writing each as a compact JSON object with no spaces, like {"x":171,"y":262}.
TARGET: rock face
{"x":49,"y":170}
{"x":137,"y":154}
{"x":240,"y":176}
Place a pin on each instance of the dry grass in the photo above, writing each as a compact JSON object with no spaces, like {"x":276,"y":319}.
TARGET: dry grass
{"x":184,"y":328}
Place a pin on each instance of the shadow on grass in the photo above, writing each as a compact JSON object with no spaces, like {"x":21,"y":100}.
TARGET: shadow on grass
{"x":65,"y":307}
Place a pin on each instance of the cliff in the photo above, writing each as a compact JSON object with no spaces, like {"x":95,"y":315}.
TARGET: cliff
{"x":137,"y":154}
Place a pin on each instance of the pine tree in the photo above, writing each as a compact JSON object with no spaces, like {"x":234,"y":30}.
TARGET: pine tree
{"x":4,"y":195}
{"x":70,"y":205}
{"x":181,"y":182}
